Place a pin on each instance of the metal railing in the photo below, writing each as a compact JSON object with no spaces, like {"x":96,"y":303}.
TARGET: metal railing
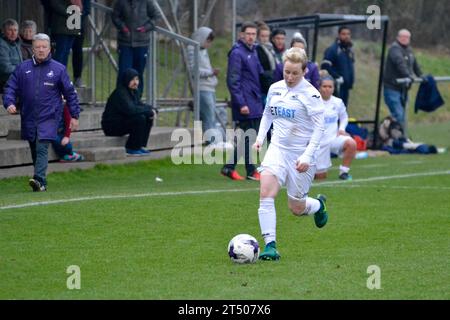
{"x":409,"y":81}
{"x":168,"y":84}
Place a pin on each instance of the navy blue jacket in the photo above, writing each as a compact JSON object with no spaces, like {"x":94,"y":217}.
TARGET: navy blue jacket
{"x":339,"y":62}
{"x":243,"y":80}
{"x":428,"y":97}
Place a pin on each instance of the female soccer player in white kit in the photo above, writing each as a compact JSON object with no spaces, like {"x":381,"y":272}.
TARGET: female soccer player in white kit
{"x":296,"y":110}
{"x":335,"y":139}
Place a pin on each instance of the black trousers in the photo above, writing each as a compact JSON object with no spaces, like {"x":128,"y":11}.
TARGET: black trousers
{"x":138,"y":127}
{"x":243,"y":145}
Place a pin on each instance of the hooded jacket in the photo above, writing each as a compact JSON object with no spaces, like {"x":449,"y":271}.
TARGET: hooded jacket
{"x":244,"y":70}
{"x":38,"y":87}
{"x":208,"y":81}
{"x":133,"y":14}
{"x":339,"y":61}
{"x":124,"y":102}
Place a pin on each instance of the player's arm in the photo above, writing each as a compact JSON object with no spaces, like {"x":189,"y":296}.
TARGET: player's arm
{"x":343,"y":119}
{"x":315,"y":111}
{"x":264,"y":125}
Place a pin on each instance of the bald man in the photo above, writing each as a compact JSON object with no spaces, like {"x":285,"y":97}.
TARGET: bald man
{"x":400,"y":63}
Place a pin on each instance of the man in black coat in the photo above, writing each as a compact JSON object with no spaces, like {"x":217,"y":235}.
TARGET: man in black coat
{"x":126,"y":114}
{"x":134,"y":20}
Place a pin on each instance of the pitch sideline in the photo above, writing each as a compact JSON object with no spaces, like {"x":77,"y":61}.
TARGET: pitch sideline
{"x":162,"y":194}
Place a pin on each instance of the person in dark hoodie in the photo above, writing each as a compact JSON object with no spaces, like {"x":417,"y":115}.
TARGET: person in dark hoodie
{"x":126,"y":114}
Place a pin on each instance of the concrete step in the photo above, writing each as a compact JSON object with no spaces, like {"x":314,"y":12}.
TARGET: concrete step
{"x":93,"y":145}
{"x":84,"y":95}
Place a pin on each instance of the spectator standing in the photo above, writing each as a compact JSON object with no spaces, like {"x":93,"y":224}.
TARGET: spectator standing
{"x":40,"y":83}
{"x":10,"y":54}
{"x":208,"y":79}
{"x":400,"y":63}
{"x":339,"y":61}
{"x":62,"y":34}
{"x":243,"y":74}
{"x":134,"y":20}
{"x":77,"y":47}
{"x":266,"y":55}
{"x":27,"y":32}
{"x":279,"y":43}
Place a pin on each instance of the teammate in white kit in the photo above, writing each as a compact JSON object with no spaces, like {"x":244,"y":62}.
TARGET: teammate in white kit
{"x":295,"y":109}
{"x":335,"y":140}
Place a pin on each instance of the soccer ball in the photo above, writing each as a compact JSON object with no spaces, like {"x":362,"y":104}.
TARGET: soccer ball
{"x":243,"y":248}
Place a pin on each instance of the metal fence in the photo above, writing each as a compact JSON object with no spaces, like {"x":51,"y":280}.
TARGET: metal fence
{"x":168,"y":83}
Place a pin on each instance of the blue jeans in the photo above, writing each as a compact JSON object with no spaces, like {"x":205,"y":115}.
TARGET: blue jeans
{"x":396,"y":104}
{"x":61,"y":150}
{"x":39,"y":154}
{"x":63,"y":45}
{"x":207,"y":112}
{"x":133,"y":57}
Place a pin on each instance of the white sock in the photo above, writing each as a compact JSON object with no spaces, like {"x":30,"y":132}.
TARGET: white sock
{"x":312,"y":206}
{"x":267,"y":219}
{"x":343,"y":169}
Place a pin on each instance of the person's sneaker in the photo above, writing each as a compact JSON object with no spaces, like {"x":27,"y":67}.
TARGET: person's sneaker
{"x":78,"y":83}
{"x":345,"y":176}
{"x":145,"y":151}
{"x":74,"y":157}
{"x":256,"y":176}
{"x":232,"y":174}
{"x":36,"y":185}
{"x":134,"y":153}
{"x":321,"y":216}
{"x":270,"y":252}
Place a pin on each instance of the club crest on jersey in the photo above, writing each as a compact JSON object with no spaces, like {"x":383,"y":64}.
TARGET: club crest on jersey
{"x":294,"y":97}
{"x":50,"y":74}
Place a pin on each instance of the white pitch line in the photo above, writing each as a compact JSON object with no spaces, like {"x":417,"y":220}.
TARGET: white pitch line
{"x":182,"y":193}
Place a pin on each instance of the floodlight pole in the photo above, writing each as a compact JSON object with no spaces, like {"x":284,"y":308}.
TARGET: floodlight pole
{"x":380,"y":84}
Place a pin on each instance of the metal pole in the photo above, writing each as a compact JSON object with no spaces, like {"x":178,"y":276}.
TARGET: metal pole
{"x":92,"y":56}
{"x":380,"y":83}
{"x":233,"y":21}
{"x":195,"y":15}
{"x":196,"y":91}
{"x":316,"y":37}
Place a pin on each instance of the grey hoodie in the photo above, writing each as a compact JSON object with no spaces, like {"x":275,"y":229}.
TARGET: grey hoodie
{"x":208,"y":81}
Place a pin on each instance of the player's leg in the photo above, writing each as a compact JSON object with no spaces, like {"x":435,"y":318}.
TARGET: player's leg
{"x":270,"y":184}
{"x":298,"y":185}
{"x":323,"y":162}
{"x":345,"y":146}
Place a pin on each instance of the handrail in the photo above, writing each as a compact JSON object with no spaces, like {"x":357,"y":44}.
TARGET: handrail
{"x":419,"y":80}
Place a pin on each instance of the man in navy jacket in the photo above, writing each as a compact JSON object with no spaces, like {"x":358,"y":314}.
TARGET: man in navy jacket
{"x":243,"y":74}
{"x":39,"y":84}
{"x":339,"y":61}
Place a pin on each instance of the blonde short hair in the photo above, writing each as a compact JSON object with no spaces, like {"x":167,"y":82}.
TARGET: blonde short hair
{"x":296,"y":55}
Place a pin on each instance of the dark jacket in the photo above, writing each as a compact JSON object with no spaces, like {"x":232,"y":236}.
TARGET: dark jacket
{"x":58,"y":18}
{"x":428,"y":97}
{"x":400,"y":63}
{"x":339,"y":61}
{"x":244,"y":70}
{"x":311,"y":74}
{"x":124,"y":102}
{"x":26,"y":48}
{"x":39,"y":87}
{"x":134,"y":14}
{"x":266,"y":55}
{"x":10,"y":58}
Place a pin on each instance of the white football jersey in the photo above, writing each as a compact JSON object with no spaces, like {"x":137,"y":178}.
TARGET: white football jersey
{"x":335,"y":111}
{"x":296,"y":113}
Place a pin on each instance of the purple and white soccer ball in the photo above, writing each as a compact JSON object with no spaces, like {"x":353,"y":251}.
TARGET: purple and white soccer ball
{"x":243,"y":248}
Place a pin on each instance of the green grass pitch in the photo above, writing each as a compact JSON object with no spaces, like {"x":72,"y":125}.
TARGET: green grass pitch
{"x":143,"y":239}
